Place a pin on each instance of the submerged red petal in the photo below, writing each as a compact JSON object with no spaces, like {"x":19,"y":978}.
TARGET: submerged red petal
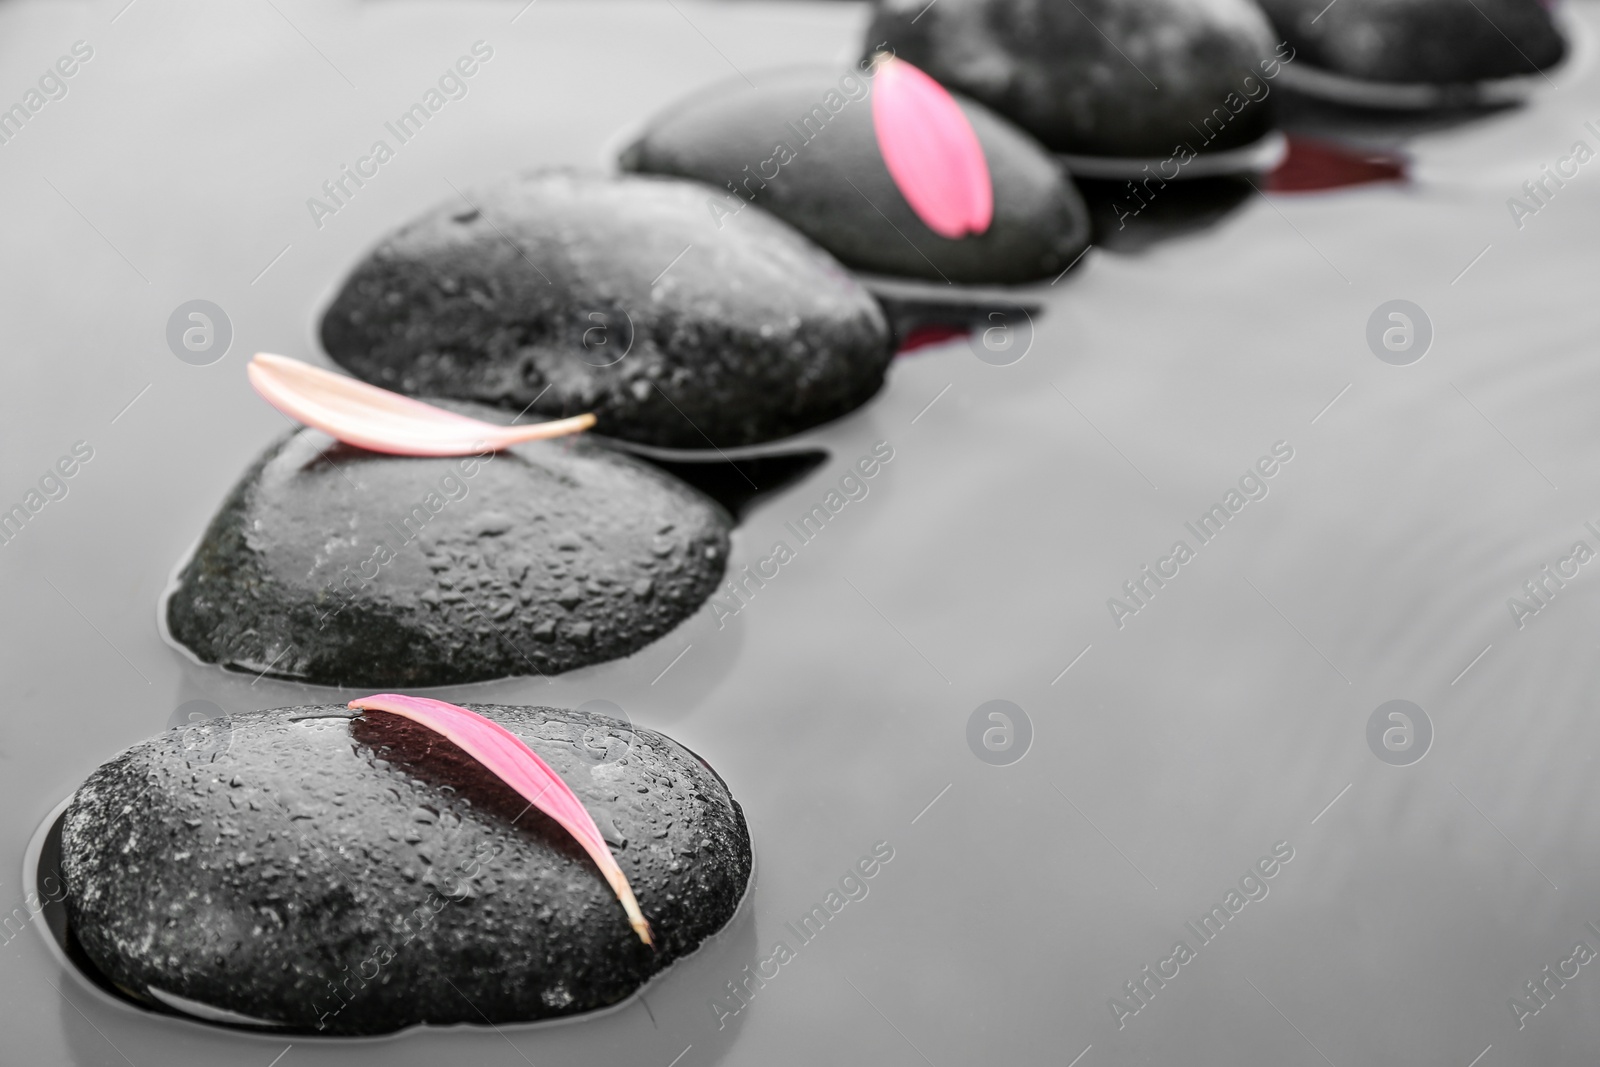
{"x":505,"y":755}
{"x":931,"y":151}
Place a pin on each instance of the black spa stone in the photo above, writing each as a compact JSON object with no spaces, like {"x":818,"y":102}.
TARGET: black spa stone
{"x":1421,"y":41}
{"x":562,"y":293}
{"x":317,"y":871}
{"x":1121,"y":78}
{"x":802,"y":146}
{"x":336,"y":566}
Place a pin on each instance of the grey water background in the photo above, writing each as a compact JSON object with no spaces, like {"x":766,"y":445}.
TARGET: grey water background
{"x":1167,"y":757}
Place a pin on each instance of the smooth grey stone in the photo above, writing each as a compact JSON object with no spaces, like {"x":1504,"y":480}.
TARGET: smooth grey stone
{"x":1421,"y":41}
{"x":337,"y":566}
{"x":835,"y":188}
{"x":562,"y":293}
{"x":1123,"y":78}
{"x":312,"y":870}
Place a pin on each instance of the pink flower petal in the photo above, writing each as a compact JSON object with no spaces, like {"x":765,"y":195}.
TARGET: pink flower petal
{"x":931,"y":152}
{"x":520,"y":767}
{"x":380,"y":421}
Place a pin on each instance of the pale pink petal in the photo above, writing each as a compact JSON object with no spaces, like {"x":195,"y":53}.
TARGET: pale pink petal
{"x":504,"y":754}
{"x":931,"y":151}
{"x":380,"y":421}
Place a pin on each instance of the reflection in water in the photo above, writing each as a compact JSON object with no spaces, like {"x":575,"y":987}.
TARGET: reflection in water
{"x":1313,"y":165}
{"x":738,"y":484}
{"x":926,"y":335}
{"x":1372,"y":128}
{"x":1130,"y":216}
{"x":919,"y":321}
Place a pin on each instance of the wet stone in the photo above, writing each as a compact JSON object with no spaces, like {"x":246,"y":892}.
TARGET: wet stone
{"x":1122,"y":78}
{"x":1421,"y":41}
{"x":619,"y":296}
{"x":337,"y":566}
{"x":803,"y":147}
{"x":482,"y":911}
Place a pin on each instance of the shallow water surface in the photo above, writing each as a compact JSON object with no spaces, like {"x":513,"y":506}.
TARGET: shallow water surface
{"x":1174,"y":753}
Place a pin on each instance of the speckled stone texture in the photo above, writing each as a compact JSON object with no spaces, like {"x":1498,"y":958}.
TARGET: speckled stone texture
{"x":803,"y":149}
{"x":355,"y":875}
{"x":1420,"y":41}
{"x":1096,"y":77}
{"x":733,"y":336}
{"x":333,"y":565}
